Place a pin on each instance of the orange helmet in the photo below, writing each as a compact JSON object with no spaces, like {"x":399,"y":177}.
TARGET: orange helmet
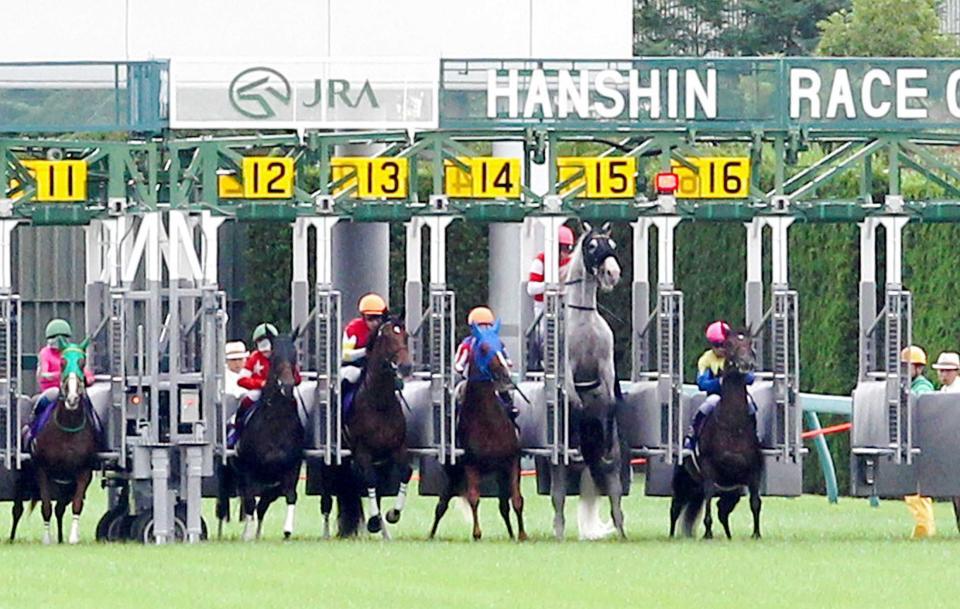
{"x":480,"y":315}
{"x":565,"y":236}
{"x":372,"y":304}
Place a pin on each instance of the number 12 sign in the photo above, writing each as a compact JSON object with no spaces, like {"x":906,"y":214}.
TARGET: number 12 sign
{"x":715,"y":178}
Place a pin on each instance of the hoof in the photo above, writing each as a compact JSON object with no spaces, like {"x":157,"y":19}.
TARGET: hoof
{"x":374,"y":524}
{"x":522,"y":536}
{"x":393,"y":516}
{"x":708,"y":535}
{"x":756,"y":536}
{"x":286,"y":535}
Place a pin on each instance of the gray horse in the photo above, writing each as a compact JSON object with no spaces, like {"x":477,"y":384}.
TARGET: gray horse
{"x":590,"y":380}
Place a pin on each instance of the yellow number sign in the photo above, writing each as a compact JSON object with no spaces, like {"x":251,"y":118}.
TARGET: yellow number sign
{"x":229,"y":186}
{"x":376,"y":178}
{"x":488,"y":178}
{"x":601,"y":178}
{"x":267,"y":177}
{"x":715,"y":178}
{"x":58,"y":181}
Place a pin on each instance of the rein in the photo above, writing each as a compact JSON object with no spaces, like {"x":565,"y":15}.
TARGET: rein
{"x":77,"y":429}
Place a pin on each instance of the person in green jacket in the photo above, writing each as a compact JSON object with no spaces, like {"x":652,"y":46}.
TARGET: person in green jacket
{"x":921,"y":507}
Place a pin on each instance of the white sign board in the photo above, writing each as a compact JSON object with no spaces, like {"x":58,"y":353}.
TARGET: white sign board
{"x":368,"y":93}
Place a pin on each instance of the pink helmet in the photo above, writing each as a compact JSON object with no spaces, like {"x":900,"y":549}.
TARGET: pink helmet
{"x":717,"y":332}
{"x":565,"y":236}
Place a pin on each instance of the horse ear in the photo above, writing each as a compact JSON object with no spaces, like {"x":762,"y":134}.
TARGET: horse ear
{"x":586,"y":227}
{"x":61,"y":343}
{"x":85,"y":344}
{"x":605,"y":229}
{"x":475,"y":330}
{"x":295,"y":334}
{"x":496,"y":326}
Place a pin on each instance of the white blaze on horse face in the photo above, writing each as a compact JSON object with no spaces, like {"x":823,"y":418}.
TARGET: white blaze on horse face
{"x":609,"y":274}
{"x":73,"y":392}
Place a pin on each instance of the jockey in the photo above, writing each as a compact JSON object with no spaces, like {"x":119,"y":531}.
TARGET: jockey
{"x":255,"y":372}
{"x":49,"y":368}
{"x":709,"y":367}
{"x":484,"y":318}
{"x":356,"y":335}
{"x":536,"y":287}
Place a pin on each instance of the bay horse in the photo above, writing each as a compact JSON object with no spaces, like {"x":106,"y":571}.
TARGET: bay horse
{"x":729,"y":454}
{"x":487,"y":435}
{"x":376,"y":431}
{"x":590,"y":383}
{"x":64,"y":451}
{"x":270,"y":449}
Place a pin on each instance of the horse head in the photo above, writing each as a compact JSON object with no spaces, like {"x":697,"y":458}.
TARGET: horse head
{"x":487,"y":360}
{"x":598,"y":250}
{"x":740,"y":355}
{"x":283,"y":361}
{"x":73,"y":383}
{"x":392,"y":342}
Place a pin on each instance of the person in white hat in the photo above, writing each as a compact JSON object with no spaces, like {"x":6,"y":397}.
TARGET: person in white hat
{"x":948,"y":369}
{"x":236,"y":354}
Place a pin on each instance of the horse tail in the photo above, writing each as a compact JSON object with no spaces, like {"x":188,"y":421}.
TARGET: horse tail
{"x":349,"y":493}
{"x":690,"y":494}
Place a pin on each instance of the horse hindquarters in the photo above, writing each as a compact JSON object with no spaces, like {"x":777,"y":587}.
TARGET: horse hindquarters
{"x":688,"y":499}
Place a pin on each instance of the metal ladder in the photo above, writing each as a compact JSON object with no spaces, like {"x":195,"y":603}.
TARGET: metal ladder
{"x":784,"y":324}
{"x":670,"y":369}
{"x":554,"y":354}
{"x":326,"y":333}
{"x":441,"y":344}
{"x":899,"y":318}
{"x":10,"y":378}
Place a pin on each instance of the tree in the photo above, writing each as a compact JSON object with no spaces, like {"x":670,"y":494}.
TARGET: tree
{"x":885,"y":28}
{"x":781,"y":27}
{"x":678,"y":27}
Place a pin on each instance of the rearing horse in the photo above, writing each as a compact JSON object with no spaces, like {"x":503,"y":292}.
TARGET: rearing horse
{"x":270,"y":449}
{"x":487,"y":436}
{"x":376,"y":431}
{"x":729,"y":453}
{"x":65,"y":448}
{"x":590,"y":380}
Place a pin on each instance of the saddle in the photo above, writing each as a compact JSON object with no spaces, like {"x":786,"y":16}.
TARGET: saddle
{"x":43,"y":412}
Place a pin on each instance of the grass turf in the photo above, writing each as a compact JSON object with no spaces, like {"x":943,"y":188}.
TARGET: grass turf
{"x":812,"y":555}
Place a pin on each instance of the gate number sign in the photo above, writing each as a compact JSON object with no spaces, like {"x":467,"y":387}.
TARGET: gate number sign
{"x":488,"y":178}
{"x":601,"y":178}
{"x":374,"y":178}
{"x":58,"y":181}
{"x":715,"y":178}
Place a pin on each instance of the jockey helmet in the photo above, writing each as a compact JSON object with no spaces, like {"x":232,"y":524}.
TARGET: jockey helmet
{"x":58,"y":327}
{"x":717,"y":332}
{"x":480,"y":315}
{"x":565,"y":236}
{"x":913,"y":355}
{"x":372,"y":304}
{"x":265,"y":331}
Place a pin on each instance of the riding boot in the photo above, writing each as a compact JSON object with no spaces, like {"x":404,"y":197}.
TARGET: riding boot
{"x":690,"y":440}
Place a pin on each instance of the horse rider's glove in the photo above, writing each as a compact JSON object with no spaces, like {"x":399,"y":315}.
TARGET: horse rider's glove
{"x":351,"y":374}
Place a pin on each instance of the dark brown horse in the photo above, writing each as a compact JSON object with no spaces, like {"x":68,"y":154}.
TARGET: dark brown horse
{"x":729,"y":451}
{"x":376,"y":431}
{"x":64,"y":450}
{"x":270,"y":450}
{"x":487,"y":435}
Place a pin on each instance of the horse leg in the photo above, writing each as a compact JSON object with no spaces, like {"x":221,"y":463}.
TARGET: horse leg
{"x":473,"y":498}
{"x":290,"y":494}
{"x":443,"y":502}
{"x":755,"y":506}
{"x":248,"y":503}
{"x":267,"y":496}
{"x":615,"y":492}
{"x":406,"y":472}
{"x":17,"y":513}
{"x":725,"y":505}
{"x":326,"y":506}
{"x":504,"y":492}
{"x":956,"y":510}
{"x":558,"y":493}
{"x":46,"y":509}
{"x":708,"y":492}
{"x":58,"y":511}
{"x":517,"y":498}
{"x":83,"y":481}
{"x":363,"y":462}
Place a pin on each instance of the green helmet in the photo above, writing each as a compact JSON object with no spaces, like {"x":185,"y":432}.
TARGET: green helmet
{"x":59,"y":327}
{"x":264,"y":330}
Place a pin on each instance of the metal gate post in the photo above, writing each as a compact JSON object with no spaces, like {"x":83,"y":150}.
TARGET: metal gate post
{"x":10,"y":350}
{"x":669,"y":337}
{"x":442,"y":327}
{"x":554,"y":343}
{"x":328,"y":426}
